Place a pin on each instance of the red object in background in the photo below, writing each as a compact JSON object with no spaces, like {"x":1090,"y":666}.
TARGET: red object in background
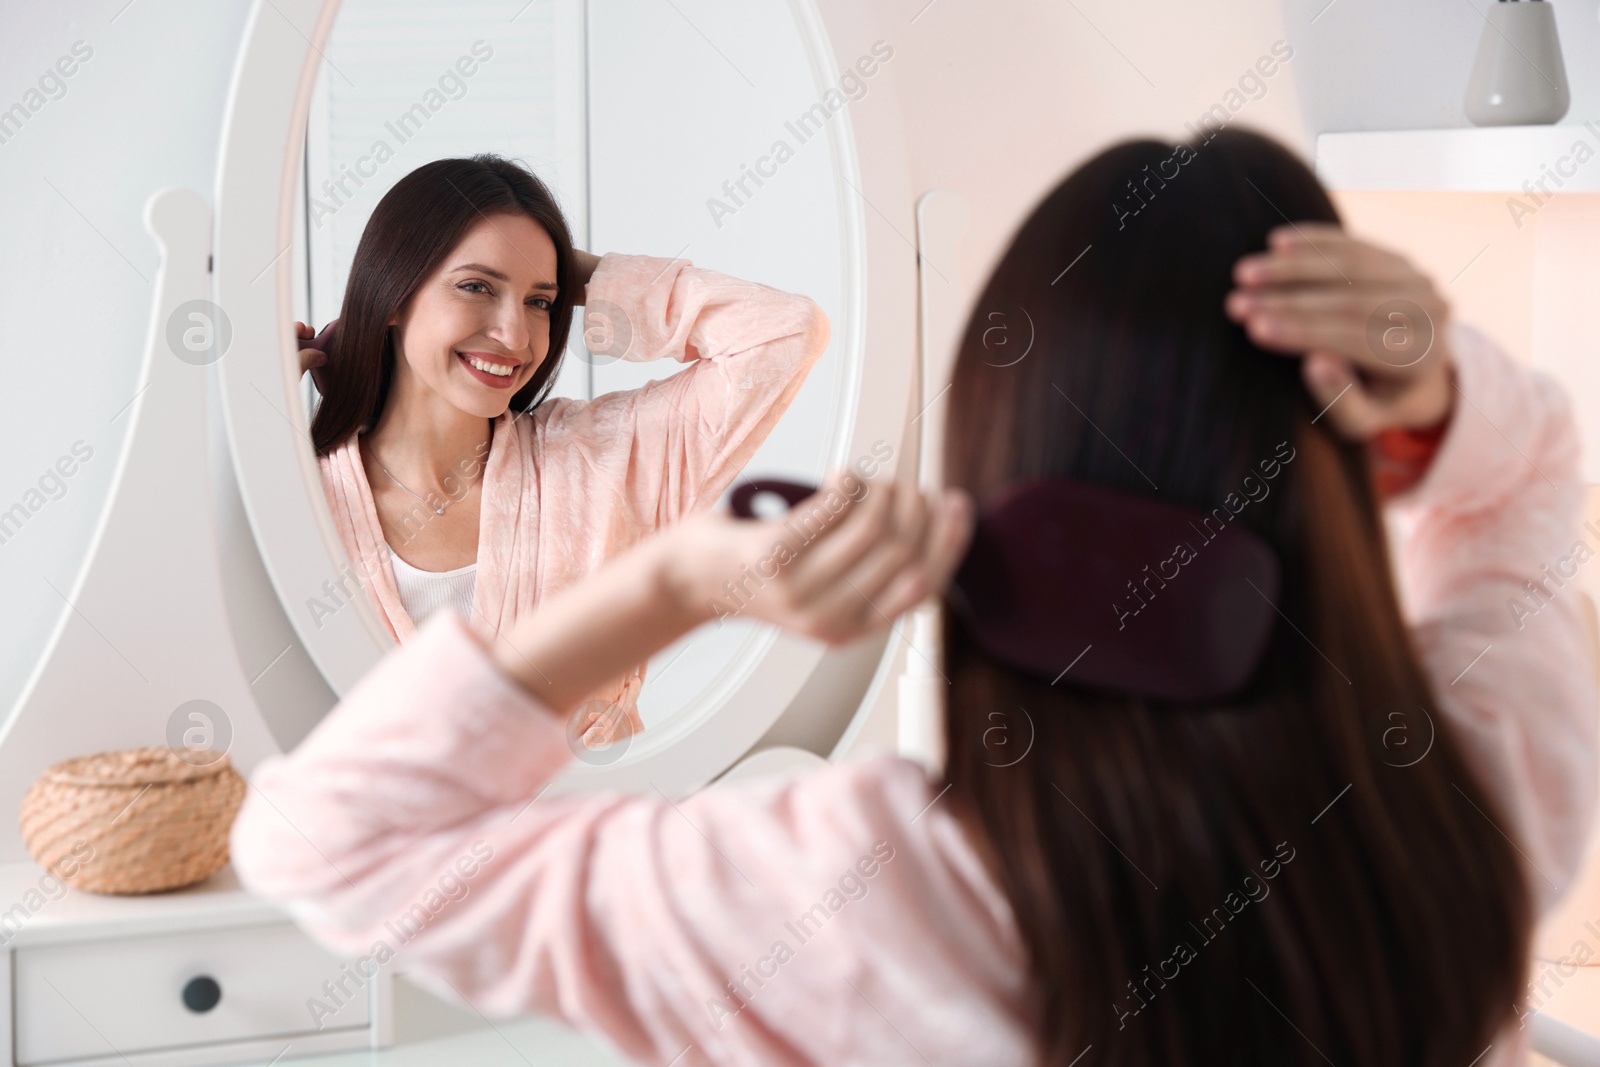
{"x":1401,"y":457}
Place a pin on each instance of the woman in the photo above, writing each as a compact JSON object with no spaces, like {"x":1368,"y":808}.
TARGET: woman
{"x":453,"y":480}
{"x":1270,"y":878}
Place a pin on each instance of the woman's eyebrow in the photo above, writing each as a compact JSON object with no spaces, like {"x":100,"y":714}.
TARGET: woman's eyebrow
{"x":501,"y":277}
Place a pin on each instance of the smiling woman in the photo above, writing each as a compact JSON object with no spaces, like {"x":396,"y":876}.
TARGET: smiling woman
{"x":440,"y":451}
{"x":410,"y":285}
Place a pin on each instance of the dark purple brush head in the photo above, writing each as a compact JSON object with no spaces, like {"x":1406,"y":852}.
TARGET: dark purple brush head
{"x":1079,"y":583}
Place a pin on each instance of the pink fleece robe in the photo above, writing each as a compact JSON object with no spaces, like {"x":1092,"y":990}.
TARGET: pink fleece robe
{"x":578,"y":481}
{"x":841,"y":916}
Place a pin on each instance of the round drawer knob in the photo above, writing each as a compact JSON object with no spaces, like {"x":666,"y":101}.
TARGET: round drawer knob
{"x":201,"y":994}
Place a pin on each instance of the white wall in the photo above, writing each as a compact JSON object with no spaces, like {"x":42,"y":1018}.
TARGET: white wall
{"x":1004,"y":98}
{"x":1380,"y":65}
{"x":144,"y":111}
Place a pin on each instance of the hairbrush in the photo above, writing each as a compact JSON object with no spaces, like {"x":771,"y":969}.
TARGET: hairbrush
{"x":324,"y":338}
{"x":1068,"y":580}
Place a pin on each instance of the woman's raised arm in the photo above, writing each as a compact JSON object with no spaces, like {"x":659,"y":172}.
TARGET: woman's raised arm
{"x":409,"y":825}
{"x":670,"y":447}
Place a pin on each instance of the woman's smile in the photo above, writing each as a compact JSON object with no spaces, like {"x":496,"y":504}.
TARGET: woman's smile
{"x":495,"y":371}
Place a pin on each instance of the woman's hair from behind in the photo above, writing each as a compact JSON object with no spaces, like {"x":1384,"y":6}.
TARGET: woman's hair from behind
{"x":1306,"y":872}
{"x":411,"y":231}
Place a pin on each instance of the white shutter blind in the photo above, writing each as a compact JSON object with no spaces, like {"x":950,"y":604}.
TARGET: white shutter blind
{"x":406,"y":82}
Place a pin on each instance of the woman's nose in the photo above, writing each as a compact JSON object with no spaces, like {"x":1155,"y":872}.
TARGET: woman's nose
{"x":510,"y":326}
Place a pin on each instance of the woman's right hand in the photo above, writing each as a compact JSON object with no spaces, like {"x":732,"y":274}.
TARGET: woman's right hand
{"x":844,"y":562}
{"x":833,"y":568}
{"x":313,"y":354}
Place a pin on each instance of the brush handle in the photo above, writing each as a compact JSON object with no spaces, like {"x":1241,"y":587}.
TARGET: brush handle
{"x":744,"y":494}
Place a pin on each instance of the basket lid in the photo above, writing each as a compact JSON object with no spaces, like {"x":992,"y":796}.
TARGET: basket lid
{"x":137,"y":766}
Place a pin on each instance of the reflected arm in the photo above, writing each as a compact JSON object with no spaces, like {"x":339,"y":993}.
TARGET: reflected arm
{"x":670,"y":447}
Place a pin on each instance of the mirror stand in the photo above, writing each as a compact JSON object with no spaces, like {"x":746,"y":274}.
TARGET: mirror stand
{"x":144,"y":645}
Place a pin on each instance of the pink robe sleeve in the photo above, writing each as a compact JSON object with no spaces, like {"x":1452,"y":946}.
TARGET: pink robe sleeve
{"x":670,"y":447}
{"x":405,"y":831}
{"x":1512,"y":669}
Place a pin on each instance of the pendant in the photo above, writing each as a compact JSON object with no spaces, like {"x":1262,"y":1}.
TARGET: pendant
{"x":438,"y":511}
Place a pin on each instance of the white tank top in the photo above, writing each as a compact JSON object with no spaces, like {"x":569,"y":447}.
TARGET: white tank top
{"x":425,"y":592}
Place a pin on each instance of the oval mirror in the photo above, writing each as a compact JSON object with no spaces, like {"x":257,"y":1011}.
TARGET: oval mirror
{"x":722,"y":134}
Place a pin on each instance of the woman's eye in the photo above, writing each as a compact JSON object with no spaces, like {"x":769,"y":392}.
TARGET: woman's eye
{"x":481,"y":288}
{"x":542,"y":303}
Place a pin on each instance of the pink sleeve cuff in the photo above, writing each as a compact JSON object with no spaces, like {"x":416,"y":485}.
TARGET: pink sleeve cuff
{"x":619,"y":312}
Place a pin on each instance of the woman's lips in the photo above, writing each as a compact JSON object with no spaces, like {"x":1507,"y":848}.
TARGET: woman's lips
{"x":494,"y":381}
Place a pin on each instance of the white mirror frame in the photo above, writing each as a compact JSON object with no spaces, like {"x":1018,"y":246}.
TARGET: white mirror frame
{"x":262,"y":146}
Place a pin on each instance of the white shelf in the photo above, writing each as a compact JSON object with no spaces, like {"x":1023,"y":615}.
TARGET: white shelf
{"x":43,"y":913}
{"x":1495,"y":159}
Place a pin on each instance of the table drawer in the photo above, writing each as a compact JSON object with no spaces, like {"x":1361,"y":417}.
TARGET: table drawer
{"x":117,"y":997}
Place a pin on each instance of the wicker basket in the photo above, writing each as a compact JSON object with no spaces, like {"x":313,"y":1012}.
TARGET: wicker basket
{"x":153,"y":819}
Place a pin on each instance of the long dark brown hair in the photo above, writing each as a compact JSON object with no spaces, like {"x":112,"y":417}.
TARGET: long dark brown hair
{"x":412,"y":230}
{"x":1303,"y":874}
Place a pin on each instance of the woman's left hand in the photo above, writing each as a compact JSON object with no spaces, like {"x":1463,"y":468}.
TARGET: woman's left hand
{"x":1369,"y":326}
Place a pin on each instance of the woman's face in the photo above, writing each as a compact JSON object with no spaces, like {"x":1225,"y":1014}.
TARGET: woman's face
{"x":478,"y":327}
